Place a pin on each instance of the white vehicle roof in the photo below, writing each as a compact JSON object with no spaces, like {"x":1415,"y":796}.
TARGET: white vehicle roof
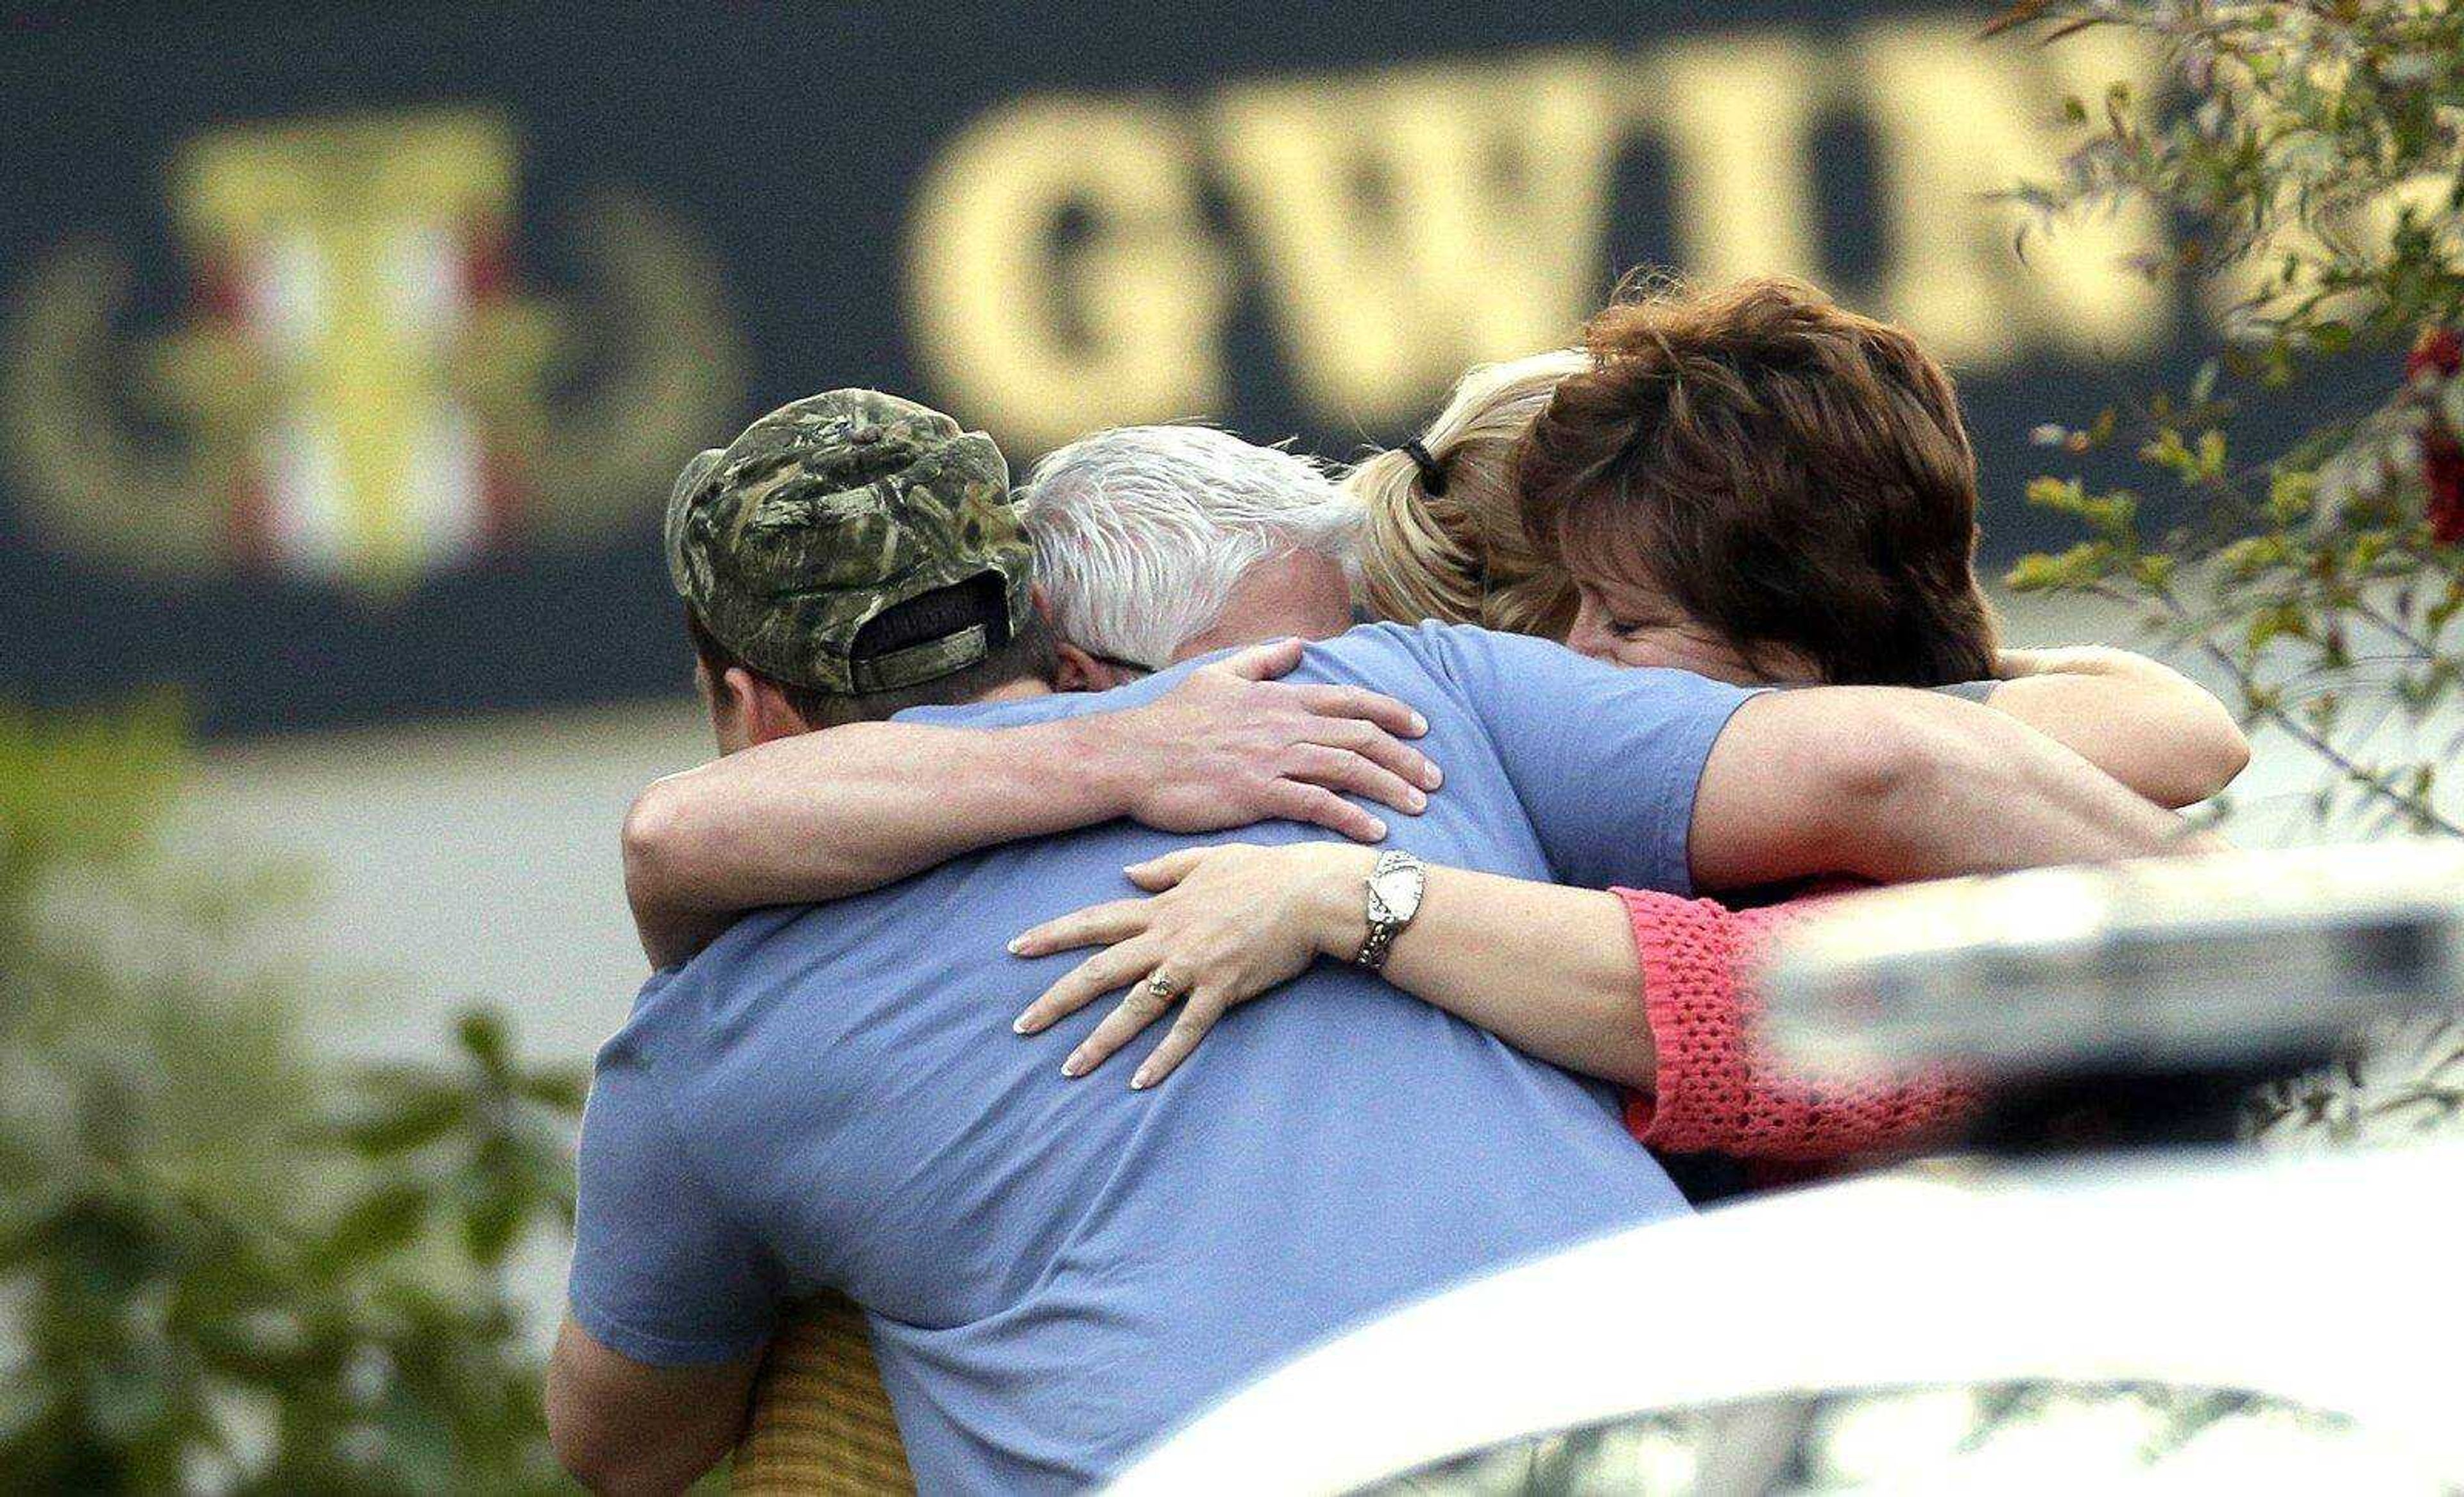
{"x":2327,"y":1281}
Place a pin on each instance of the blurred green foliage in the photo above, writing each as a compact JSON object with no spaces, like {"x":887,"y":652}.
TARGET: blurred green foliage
{"x":2311,"y":157}
{"x":229,"y":1261}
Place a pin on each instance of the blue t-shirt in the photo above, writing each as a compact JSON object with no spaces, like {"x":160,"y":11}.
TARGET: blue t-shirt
{"x":1059,"y":1272}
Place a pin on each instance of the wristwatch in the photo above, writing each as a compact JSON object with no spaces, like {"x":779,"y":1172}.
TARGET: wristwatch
{"x":1394,"y":885}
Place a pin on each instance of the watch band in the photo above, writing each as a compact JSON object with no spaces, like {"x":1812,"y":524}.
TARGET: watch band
{"x":1387,"y":918}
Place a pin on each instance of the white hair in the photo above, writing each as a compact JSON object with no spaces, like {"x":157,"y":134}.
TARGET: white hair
{"x":1140,"y":532}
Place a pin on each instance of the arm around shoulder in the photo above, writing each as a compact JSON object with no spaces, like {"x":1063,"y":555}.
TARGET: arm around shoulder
{"x":2139,"y":721}
{"x":825,"y":815}
{"x":1892,"y":784}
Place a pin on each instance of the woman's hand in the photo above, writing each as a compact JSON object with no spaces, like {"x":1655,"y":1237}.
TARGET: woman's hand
{"x":1224,"y":925}
{"x":1232,"y":746}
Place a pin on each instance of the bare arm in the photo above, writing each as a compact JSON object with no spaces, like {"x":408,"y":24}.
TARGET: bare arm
{"x":2143,"y":723}
{"x":1883,"y":783}
{"x":1553,"y":971}
{"x":828,"y":814}
{"x":623,"y":1428}
{"x":1892,"y":785}
{"x":1550,"y":970}
{"x":833,"y":813}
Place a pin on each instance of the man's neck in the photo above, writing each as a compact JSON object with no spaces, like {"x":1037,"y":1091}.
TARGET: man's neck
{"x":1298,"y":593}
{"x":1023,"y":689}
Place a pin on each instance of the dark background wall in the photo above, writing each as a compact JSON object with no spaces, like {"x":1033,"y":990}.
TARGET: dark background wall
{"x":349,"y":349}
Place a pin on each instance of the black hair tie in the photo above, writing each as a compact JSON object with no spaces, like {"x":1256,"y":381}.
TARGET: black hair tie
{"x":1433,"y":474}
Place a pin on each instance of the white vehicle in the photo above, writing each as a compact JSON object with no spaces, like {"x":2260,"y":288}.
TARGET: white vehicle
{"x":2201,"y":1319}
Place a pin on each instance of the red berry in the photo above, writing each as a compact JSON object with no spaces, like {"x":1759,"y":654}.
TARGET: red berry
{"x":2442,"y":471}
{"x":2440,"y":349}
{"x":2441,"y":352}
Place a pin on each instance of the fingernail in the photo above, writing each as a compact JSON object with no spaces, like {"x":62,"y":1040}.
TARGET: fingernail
{"x":1376,"y":828}
{"x":1417,"y":801}
{"x":1433,"y":776}
{"x":1020,"y":1026}
{"x":1140,"y":1082}
{"x":1070,"y":1068}
{"x":1017,"y":944}
{"x":1419,"y":724}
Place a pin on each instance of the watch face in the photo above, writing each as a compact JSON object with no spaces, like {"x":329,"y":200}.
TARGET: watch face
{"x":1398,"y":893}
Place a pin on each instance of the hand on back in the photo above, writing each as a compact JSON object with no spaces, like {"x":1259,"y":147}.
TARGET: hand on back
{"x":1232,"y":746}
{"x":1222,"y":925}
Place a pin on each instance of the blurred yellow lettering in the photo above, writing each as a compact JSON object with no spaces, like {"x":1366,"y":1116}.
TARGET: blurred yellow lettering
{"x":1041,"y":334}
{"x":1738,"y":114}
{"x":1959,"y":121}
{"x":1412,"y":222}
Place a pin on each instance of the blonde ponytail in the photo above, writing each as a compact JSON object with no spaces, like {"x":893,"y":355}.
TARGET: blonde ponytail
{"x":1460,"y":556}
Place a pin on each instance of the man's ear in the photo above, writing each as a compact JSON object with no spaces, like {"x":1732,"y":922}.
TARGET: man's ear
{"x":762,"y":707}
{"x":1073,"y":670}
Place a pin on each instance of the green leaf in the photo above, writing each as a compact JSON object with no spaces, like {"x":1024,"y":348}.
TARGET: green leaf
{"x":2166,"y":450}
{"x":2153,"y":571}
{"x":2055,"y":493}
{"x":491,"y":1223}
{"x":2444,"y":611}
{"x":482,"y":1033}
{"x":2291,"y":495}
{"x":199,"y":1214}
{"x":2249,"y":557}
{"x":382,"y":1221}
{"x":418,"y":1438}
{"x":415,"y":1120}
{"x":2081,"y":565}
{"x":2278,"y":621}
{"x":562,"y":1090}
{"x":2212,"y":454}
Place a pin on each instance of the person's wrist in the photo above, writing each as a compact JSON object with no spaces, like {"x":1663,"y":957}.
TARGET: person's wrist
{"x":1114,"y":758}
{"x":2011,"y":664}
{"x":1337,"y":897}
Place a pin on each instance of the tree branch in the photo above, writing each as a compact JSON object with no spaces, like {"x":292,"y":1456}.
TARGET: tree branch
{"x":2419,"y":810}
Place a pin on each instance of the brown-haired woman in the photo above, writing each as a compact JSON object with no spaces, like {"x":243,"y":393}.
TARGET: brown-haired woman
{"x":1767,"y":482}
{"x":1756,"y":484}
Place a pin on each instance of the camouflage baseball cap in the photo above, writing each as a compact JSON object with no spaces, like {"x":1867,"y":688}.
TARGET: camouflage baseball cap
{"x":829,"y":511}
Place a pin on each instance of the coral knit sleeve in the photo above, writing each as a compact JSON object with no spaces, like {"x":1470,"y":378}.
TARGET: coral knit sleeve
{"x":1715,"y":1090}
